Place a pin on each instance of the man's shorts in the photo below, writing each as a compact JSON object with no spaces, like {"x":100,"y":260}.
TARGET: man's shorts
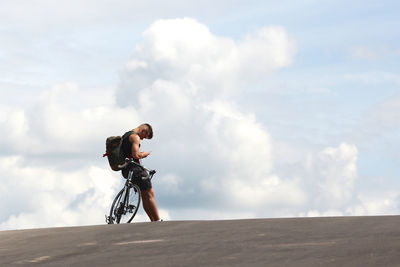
{"x":144,"y":184}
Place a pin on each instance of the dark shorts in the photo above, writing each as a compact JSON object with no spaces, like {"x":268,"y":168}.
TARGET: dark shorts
{"x":144,"y":184}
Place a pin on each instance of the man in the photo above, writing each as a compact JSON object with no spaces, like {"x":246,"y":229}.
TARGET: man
{"x":130,"y":149}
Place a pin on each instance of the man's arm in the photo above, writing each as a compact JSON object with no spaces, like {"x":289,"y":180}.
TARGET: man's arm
{"x":135,"y":140}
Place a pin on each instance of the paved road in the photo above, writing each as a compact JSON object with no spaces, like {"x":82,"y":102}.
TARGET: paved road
{"x":335,"y":241}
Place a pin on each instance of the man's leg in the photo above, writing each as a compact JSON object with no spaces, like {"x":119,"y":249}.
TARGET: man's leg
{"x":149,"y":204}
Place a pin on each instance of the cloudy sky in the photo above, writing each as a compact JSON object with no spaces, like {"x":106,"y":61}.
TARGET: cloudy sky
{"x":260,"y":109}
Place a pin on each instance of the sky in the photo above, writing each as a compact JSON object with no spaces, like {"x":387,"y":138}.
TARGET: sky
{"x":260,"y":109}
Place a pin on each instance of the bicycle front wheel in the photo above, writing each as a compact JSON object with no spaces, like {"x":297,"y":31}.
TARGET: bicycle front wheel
{"x":125,"y":205}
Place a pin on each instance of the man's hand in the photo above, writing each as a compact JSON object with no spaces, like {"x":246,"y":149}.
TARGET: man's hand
{"x":144,"y":154}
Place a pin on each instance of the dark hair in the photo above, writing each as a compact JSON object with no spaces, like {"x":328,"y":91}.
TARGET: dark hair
{"x":149,"y":130}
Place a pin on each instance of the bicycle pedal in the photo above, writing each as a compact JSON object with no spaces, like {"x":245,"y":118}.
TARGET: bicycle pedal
{"x":109,"y":220}
{"x":131,"y":208}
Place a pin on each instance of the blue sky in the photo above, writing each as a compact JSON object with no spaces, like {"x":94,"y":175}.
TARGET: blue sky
{"x":293,"y":103}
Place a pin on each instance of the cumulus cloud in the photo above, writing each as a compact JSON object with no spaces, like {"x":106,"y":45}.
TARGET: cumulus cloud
{"x":64,"y":119}
{"x":35,"y":196}
{"x":186,"y":52}
{"x":334,"y":171}
{"x":181,"y":78}
{"x":50,"y":164}
{"x":214,"y":160}
{"x":379,"y":204}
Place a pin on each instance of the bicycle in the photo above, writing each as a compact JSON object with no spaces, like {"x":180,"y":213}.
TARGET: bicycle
{"x":127,"y":201}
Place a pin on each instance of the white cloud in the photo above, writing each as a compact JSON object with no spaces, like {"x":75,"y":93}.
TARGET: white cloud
{"x":170,"y":183}
{"x":212,"y":157}
{"x":243,"y":150}
{"x":44,"y":197}
{"x":378,"y":203}
{"x":14,"y":124}
{"x":186,"y":52}
{"x":335,"y":172}
{"x":64,"y":120}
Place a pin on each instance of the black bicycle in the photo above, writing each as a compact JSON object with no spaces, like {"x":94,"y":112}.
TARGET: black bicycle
{"x":127,"y":201}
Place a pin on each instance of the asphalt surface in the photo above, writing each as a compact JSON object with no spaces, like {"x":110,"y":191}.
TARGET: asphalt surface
{"x":330,"y":241}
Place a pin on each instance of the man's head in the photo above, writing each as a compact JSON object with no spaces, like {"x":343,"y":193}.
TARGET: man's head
{"x":145,"y":131}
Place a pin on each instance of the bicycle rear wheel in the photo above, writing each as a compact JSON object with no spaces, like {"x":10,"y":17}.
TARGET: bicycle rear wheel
{"x":125,"y":206}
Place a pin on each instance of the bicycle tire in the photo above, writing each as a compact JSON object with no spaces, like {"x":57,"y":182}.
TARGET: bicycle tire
{"x":112,"y":216}
{"x":127,"y":208}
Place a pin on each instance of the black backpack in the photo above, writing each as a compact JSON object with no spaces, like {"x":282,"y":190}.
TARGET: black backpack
{"x":114,"y":152}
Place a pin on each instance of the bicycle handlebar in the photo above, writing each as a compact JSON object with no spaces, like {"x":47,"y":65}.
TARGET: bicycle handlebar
{"x":131,"y":161}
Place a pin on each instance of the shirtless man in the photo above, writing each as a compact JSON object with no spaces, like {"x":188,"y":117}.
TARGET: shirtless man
{"x":130,"y":149}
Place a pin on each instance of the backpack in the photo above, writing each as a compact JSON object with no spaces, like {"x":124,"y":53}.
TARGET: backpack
{"x":114,"y":152}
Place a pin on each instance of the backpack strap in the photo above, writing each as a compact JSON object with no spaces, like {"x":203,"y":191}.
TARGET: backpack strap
{"x":125,"y":139}
{"x":127,"y":134}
